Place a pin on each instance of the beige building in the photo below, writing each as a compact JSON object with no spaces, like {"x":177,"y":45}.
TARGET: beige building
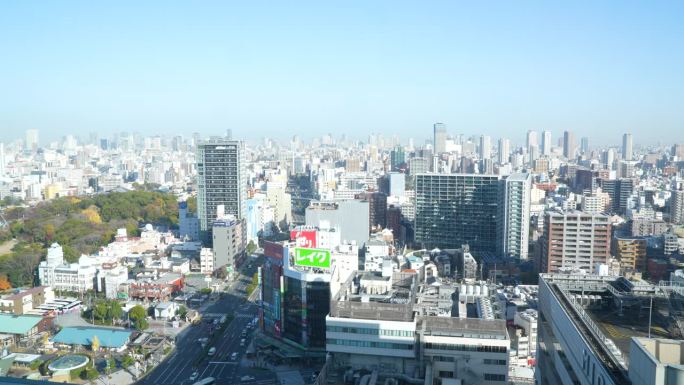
{"x":574,"y":240}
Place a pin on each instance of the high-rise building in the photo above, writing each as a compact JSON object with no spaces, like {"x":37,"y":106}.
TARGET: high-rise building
{"x":532,"y":140}
{"x":485,"y":147}
{"x":229,"y":240}
{"x":619,"y":191}
{"x":377,"y":207}
{"x":546,"y":143}
{"x":504,"y":150}
{"x":397,"y":158}
{"x":188,"y":224}
{"x":221,"y":180}
{"x":515,"y":215}
{"x":677,"y":206}
{"x":439,"y":138}
{"x":351,"y":218}
{"x":457,"y":209}
{"x":418,"y":165}
{"x":608,"y":158}
{"x":31,"y":140}
{"x":568,"y":145}
{"x":574,"y":240}
{"x":584,"y":145}
{"x":627,"y":147}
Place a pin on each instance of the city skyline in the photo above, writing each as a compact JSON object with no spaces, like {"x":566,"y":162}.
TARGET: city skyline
{"x":599,"y":70}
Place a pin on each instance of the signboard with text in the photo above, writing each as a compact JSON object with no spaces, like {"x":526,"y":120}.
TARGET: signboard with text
{"x":304,"y":238}
{"x":312,"y":257}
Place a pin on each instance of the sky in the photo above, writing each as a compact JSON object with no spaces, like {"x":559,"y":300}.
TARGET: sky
{"x":278,"y":69}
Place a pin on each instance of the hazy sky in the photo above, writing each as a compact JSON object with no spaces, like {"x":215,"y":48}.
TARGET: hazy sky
{"x":599,"y":68}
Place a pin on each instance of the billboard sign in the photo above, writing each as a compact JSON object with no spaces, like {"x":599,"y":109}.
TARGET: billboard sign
{"x":304,"y":238}
{"x":312,"y":257}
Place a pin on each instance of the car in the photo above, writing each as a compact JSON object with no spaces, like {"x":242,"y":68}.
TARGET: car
{"x":234,"y":356}
{"x":194,"y":376}
{"x":242,"y":342}
{"x":212,"y":351}
{"x":247,"y":378}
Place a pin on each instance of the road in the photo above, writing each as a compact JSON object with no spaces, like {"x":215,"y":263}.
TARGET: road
{"x":189,"y":356}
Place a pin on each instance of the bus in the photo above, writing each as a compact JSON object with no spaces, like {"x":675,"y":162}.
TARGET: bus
{"x":205,"y":381}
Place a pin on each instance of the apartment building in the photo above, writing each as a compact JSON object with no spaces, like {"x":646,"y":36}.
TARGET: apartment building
{"x":575,"y":240}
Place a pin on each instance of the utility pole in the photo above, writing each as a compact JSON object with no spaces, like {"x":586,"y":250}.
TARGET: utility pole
{"x":650,"y":311}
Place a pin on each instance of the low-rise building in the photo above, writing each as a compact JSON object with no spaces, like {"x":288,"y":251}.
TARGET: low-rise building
{"x":26,"y":300}
{"x":159,"y":289}
{"x":21,"y":326}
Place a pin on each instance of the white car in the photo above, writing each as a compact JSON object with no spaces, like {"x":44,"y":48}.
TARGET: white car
{"x":247,"y":378}
{"x":194,"y":376}
{"x":212,"y":351}
{"x":234,"y":356}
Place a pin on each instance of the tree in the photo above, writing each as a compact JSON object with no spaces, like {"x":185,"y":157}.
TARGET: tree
{"x":89,"y":374}
{"x":138,"y":314}
{"x":100,"y":311}
{"x":127,"y":361}
{"x":49,"y":232}
{"x":182,"y":311}
{"x":115,"y":311}
{"x":4,"y":283}
{"x":251,"y":247}
{"x":92,"y":215}
{"x":95,"y":344}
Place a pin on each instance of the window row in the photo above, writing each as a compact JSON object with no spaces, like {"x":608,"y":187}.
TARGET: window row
{"x":371,"y":331}
{"x":369,"y":344}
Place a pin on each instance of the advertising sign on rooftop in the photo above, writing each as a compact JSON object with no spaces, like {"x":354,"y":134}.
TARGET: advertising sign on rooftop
{"x":312,"y":257}
{"x":304,"y":238}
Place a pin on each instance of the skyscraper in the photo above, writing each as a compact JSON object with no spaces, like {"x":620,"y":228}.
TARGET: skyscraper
{"x":457,"y":209}
{"x":439,"y":145}
{"x":485,"y":147}
{"x":568,"y":145}
{"x":532,"y":140}
{"x":397,"y":158}
{"x":31,"y":140}
{"x":221,"y":180}
{"x":584,"y":145}
{"x":515,"y":215}
{"x":504,"y":150}
{"x":627,"y":146}
{"x":546,"y":143}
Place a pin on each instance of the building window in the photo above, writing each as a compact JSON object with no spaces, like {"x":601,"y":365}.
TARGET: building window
{"x":489,"y":361}
{"x":494,"y":377}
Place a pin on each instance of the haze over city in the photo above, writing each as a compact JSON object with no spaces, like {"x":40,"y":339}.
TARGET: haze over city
{"x":392,"y":67}
{"x":342,"y":193}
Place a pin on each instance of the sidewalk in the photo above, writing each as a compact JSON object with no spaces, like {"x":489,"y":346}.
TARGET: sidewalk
{"x":120,"y":377}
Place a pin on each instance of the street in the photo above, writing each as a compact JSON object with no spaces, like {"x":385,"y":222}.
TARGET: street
{"x":189,"y":355}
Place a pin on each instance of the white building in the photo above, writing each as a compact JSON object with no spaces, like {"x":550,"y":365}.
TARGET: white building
{"x":206,"y":260}
{"x":75,"y":277}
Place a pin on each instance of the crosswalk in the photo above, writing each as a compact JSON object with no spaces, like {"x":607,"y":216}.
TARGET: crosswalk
{"x":219,"y":315}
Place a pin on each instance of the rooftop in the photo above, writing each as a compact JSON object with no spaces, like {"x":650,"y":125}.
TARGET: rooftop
{"x":109,"y":338}
{"x":18,"y":324}
{"x":463,"y":327}
{"x":611,"y":310}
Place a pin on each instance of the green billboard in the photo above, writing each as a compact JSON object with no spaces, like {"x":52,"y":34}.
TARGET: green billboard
{"x":312,"y":257}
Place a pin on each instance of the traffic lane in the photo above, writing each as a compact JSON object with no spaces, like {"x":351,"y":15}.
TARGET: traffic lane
{"x":181,"y":360}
